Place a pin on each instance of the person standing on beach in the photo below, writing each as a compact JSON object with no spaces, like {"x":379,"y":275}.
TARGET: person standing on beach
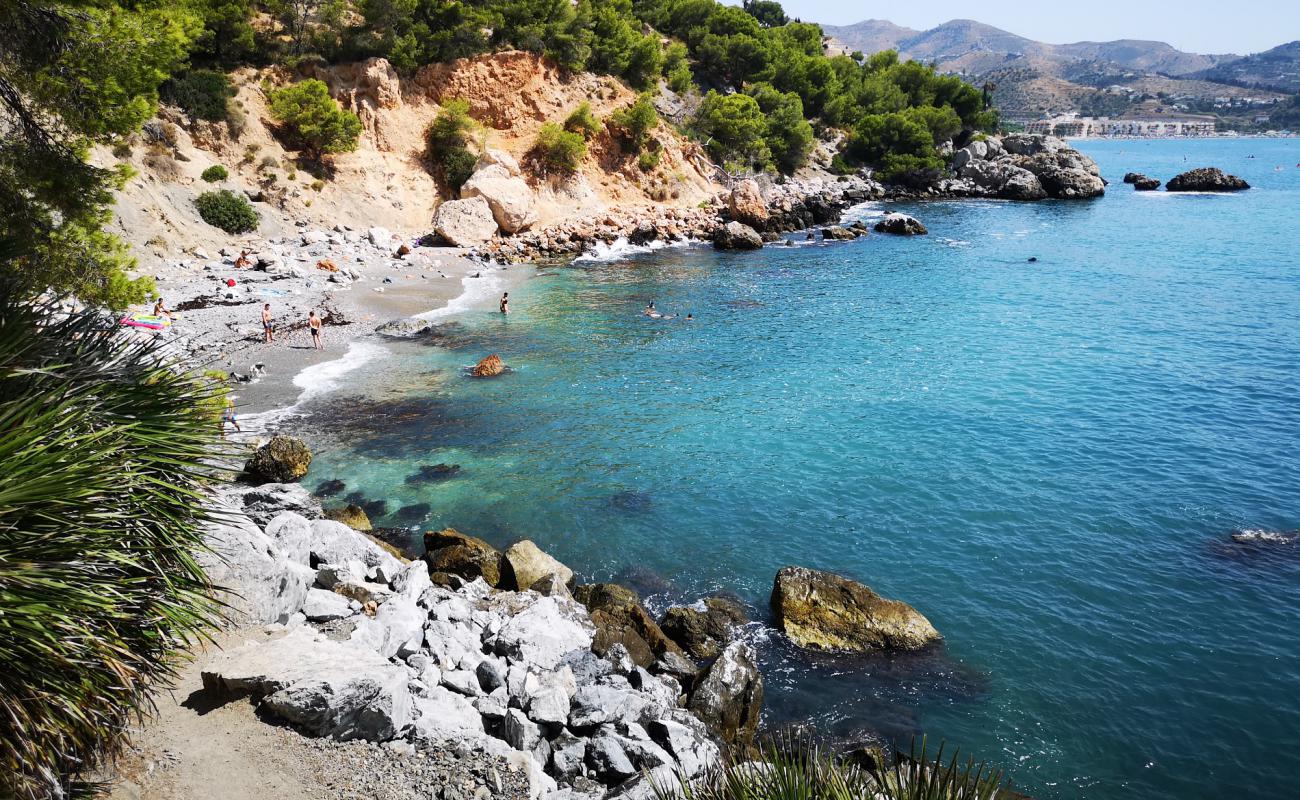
{"x":268,"y":330}
{"x":505,"y":303}
{"x":314,"y":322}
{"x":228,"y":417}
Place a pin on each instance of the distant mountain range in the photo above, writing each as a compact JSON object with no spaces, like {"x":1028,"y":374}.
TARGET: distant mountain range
{"x":1034,"y":78}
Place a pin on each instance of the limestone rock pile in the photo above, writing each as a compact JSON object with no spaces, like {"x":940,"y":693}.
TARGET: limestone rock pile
{"x":365,"y":646}
{"x":1023,"y":167}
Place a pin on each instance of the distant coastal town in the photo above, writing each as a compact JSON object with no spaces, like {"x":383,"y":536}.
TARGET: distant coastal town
{"x":1077,"y":126}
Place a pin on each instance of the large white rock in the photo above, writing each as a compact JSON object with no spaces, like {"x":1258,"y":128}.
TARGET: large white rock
{"x":329,"y":688}
{"x":492,"y":156}
{"x":443,"y":713}
{"x":253,"y":576}
{"x":540,"y":631}
{"x":335,"y":543}
{"x":263,"y":503}
{"x":510,"y":197}
{"x":465,"y":223}
{"x":403,"y":623}
{"x":322,"y":606}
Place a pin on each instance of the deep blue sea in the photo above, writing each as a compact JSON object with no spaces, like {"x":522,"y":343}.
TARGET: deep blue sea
{"x":1047,"y":459}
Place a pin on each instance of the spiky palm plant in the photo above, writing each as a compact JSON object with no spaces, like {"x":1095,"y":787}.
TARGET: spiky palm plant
{"x":790,"y":770}
{"x":103,"y":452}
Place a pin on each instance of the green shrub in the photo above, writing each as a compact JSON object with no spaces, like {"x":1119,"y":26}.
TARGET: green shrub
{"x":102,"y":466}
{"x":226,"y":210}
{"x":313,"y":120}
{"x":202,"y":94}
{"x":635,"y":122}
{"x":582,"y":121}
{"x":447,"y":140}
{"x":215,"y":173}
{"x":559,"y":150}
{"x":648,"y":160}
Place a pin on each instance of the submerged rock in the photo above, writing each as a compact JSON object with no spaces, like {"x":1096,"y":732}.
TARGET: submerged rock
{"x":824,"y":611}
{"x":1206,"y":179}
{"x":330,"y":488}
{"x":352,"y":515}
{"x":729,"y":697}
{"x":432,"y":473}
{"x":457,"y":553}
{"x":489,"y":367}
{"x":281,"y":460}
{"x":901,"y":224}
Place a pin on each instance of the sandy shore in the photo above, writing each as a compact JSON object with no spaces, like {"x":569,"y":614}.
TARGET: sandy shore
{"x":219,"y":327}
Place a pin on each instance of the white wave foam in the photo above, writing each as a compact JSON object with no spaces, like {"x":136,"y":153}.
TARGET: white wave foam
{"x":1269,"y":537}
{"x":871,"y":209}
{"x":477,"y":291}
{"x":316,"y":380}
{"x":328,"y":375}
{"x":621,"y":248}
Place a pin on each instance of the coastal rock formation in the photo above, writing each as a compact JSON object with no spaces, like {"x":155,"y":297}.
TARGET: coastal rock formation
{"x":489,"y":367}
{"x":494,"y":157}
{"x":264,"y":502}
{"x":369,"y":648}
{"x":352,"y":515}
{"x":838,"y":232}
{"x":704,"y":629}
{"x":1206,"y":179}
{"x":1026,"y":167}
{"x":281,"y":460}
{"x":622,"y":621}
{"x":736,"y":236}
{"x":902,"y":225}
{"x":465,"y":223}
{"x":1141,"y":183}
{"x":1066,"y":174}
{"x":729,"y":697}
{"x":1003,"y":179}
{"x":509,"y":196}
{"x":457,"y":553}
{"x":746,"y":204}
{"x":824,"y":611}
{"x":524,"y":564}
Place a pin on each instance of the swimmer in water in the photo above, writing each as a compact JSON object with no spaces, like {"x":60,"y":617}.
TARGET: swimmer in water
{"x":650,"y":310}
{"x":690,"y":317}
{"x":505,"y":303}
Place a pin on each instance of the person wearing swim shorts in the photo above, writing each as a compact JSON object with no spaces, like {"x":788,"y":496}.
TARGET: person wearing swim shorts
{"x":314,"y":322}
{"x":268,"y":330}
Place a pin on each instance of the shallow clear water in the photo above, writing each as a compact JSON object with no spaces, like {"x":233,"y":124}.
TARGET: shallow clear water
{"x":1045,"y":458}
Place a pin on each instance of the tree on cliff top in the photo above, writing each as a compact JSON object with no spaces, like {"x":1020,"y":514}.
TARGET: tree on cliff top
{"x":73,"y":75}
{"x":313,"y":120}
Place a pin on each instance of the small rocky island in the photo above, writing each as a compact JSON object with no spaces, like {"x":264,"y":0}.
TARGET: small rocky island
{"x":1206,"y":179}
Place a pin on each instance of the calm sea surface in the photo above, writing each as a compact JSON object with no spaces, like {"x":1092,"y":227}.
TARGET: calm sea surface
{"x":1047,"y":459}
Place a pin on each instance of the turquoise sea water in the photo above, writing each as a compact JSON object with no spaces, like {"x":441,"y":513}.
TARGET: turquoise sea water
{"x":1047,"y":459}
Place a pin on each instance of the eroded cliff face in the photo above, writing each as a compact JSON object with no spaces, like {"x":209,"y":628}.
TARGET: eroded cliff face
{"x":385,"y":181}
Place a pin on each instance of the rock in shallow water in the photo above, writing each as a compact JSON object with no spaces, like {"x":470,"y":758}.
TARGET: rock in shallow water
{"x":729,"y":698}
{"x":901,"y":224}
{"x":824,"y":611}
{"x":281,"y":460}
{"x":1206,"y":179}
{"x":524,"y":564}
{"x":703,"y":632}
{"x":736,"y":236}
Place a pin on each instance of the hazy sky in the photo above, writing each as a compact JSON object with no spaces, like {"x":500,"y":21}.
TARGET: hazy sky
{"x":1201,"y":26}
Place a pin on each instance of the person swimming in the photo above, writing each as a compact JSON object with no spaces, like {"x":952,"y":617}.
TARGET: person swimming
{"x":650,"y":311}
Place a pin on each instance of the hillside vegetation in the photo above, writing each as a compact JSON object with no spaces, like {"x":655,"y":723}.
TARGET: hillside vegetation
{"x":755,"y":87}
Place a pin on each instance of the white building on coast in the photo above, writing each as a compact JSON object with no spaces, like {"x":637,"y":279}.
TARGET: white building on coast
{"x":1075,"y":126}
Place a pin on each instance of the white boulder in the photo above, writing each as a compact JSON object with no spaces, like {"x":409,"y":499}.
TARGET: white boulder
{"x":510,"y":197}
{"x":465,"y":223}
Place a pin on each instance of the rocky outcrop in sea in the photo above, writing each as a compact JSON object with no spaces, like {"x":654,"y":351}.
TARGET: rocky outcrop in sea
{"x":1206,"y":179}
{"x":1023,"y":167}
